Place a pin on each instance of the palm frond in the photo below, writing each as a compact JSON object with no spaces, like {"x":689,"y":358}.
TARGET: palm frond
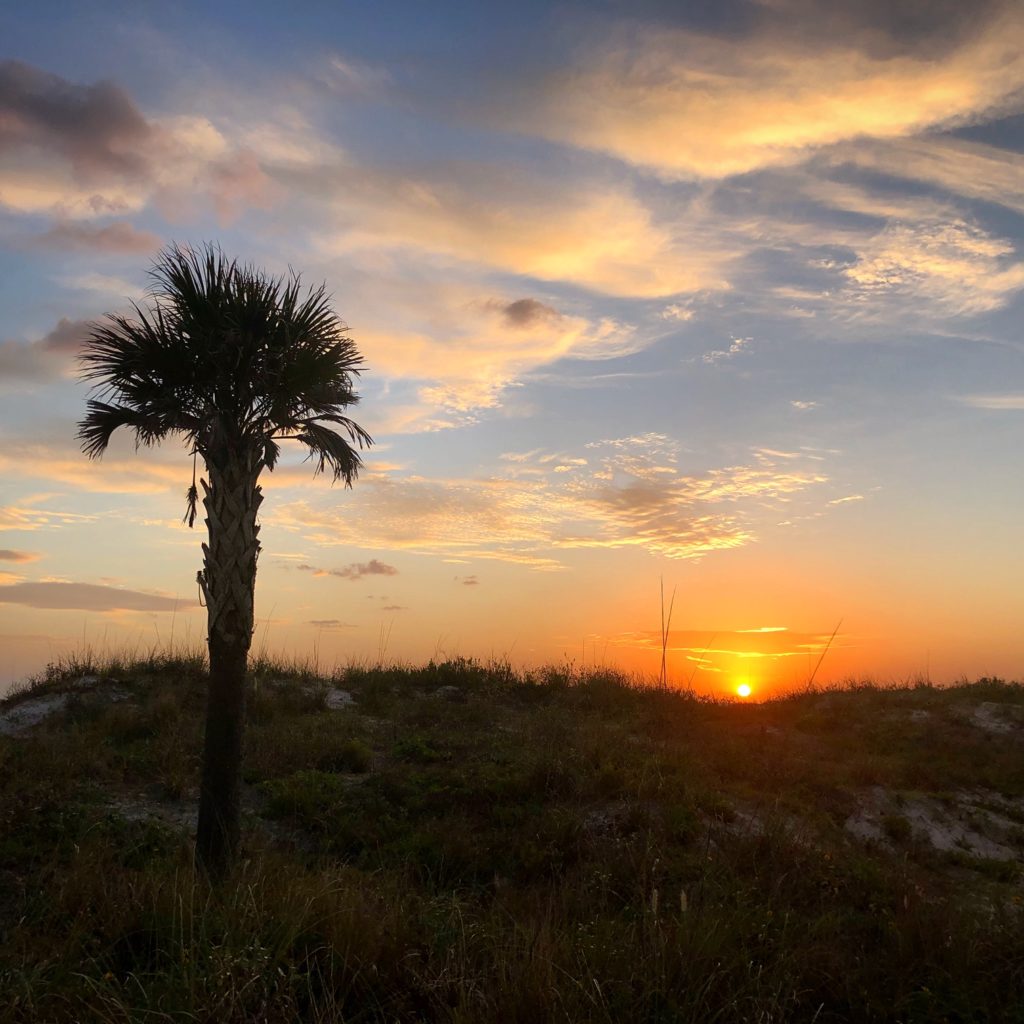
{"x":330,"y":450}
{"x":101,"y":420}
{"x":229,"y":356}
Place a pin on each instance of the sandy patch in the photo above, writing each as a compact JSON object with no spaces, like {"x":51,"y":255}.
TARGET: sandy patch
{"x":965,"y":824}
{"x":16,"y":720}
{"x":998,"y":718}
{"x":338,"y":699}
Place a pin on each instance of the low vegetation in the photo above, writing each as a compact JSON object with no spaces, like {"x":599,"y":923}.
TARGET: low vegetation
{"x":467,"y":843}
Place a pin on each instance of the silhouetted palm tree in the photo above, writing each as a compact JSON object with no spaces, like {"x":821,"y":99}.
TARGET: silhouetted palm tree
{"x":235,"y":361}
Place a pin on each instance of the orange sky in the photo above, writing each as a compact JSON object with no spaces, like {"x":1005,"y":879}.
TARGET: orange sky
{"x":727,"y":298}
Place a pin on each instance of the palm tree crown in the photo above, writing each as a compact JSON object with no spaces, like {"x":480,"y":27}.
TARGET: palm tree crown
{"x":231,"y":358}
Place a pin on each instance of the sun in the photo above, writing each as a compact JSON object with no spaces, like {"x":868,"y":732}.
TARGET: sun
{"x":744,"y":689}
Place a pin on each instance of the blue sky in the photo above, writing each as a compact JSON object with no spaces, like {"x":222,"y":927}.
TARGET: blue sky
{"x":728,"y":297}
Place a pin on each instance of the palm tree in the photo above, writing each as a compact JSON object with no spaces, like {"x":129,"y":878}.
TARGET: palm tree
{"x":235,"y":361}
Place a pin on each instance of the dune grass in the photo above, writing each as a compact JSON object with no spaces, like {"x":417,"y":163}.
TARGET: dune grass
{"x":467,"y":843}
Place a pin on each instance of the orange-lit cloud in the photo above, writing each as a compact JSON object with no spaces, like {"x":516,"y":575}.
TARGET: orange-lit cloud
{"x":687,"y":104}
{"x":542,"y":228}
{"x":958,"y":166}
{"x":622,"y":493}
{"x":473,"y":350}
{"x":952,"y":267}
{"x":725,"y":650}
{"x":28,"y":518}
{"x":160,"y":470}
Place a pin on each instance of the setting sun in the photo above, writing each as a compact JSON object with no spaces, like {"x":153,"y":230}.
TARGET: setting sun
{"x":743,"y":689}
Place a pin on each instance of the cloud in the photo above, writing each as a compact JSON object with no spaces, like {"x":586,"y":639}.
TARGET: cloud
{"x":122,"y":470}
{"x":467,"y":581}
{"x":394,"y":608}
{"x":330,"y":624}
{"x":713,"y":650}
{"x":88,"y":597}
{"x":946,"y":268}
{"x":867,"y":256}
{"x":118,"y":474}
{"x":960,"y":167}
{"x":96,"y":128}
{"x":686,"y":104}
{"x":13,"y":517}
{"x":998,"y":403}
{"x":116,"y":237}
{"x":355,"y":571}
{"x":677,"y":311}
{"x":10,"y":555}
{"x":527,"y":313}
{"x":67,"y":337}
{"x":353,"y":78}
{"x":464,"y":350}
{"x":45,"y":358}
{"x":486,"y":215}
{"x":625,"y":493}
{"x":81,"y":151}
{"x":736,"y":347}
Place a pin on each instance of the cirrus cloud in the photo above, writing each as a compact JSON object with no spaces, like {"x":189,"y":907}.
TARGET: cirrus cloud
{"x":625,"y":493}
{"x":686,"y":104}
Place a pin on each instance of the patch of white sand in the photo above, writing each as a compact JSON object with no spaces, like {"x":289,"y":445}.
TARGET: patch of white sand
{"x":963,"y":824}
{"x":24,"y":715}
{"x":992,"y":717}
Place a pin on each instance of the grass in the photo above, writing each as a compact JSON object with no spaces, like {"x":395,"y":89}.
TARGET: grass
{"x":468,"y":843}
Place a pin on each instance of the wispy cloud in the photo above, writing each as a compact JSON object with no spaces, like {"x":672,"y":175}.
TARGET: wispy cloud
{"x":998,"y":403}
{"x":485,"y":215}
{"x":681,"y":103}
{"x":707,"y":648}
{"x":88,"y":597}
{"x":27,"y":518}
{"x":960,"y":167}
{"x":625,"y":492}
{"x":953,"y":268}
{"x":115,"y":237}
{"x":10,"y":555}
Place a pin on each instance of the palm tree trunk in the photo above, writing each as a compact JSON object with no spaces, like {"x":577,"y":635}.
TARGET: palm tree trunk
{"x":232,"y":499}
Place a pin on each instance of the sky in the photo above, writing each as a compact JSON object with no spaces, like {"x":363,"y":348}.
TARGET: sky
{"x":719,"y":298}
